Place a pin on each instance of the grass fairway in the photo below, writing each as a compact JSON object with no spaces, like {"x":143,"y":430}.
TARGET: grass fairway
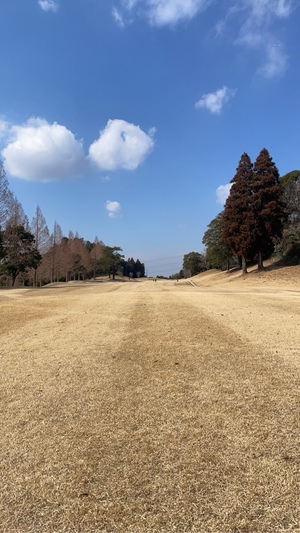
{"x":148,"y":407}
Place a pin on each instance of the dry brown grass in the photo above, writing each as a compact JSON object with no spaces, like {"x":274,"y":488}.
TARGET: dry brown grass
{"x":151,"y":407}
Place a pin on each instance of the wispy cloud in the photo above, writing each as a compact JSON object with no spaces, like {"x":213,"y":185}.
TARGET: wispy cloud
{"x":121,"y":145}
{"x":222,"y":193}
{"x":113,"y":208}
{"x":257,"y":20}
{"x":215,"y":101}
{"x":48,"y":5}
{"x":117,"y":15}
{"x":4,"y":128}
{"x":251,"y":23}
{"x":276,"y":61}
{"x":165,"y":12}
{"x":105,"y":179}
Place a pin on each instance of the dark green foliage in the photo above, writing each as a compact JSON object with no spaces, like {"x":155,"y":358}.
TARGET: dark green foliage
{"x":218,"y":252}
{"x":111,"y":260}
{"x":19,"y":253}
{"x":133,"y":269}
{"x":193,"y":263}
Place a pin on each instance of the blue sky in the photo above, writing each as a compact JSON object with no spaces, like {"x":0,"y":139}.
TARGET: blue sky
{"x":126,"y":119}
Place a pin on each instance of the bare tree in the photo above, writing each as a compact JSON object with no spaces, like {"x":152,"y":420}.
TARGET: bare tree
{"x":53,"y":258}
{"x":6,"y":197}
{"x":40,"y":231}
{"x":17,"y":215}
{"x":96,"y":254}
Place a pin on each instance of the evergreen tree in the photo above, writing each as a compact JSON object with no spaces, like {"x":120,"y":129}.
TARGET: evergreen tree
{"x":193,"y":263}
{"x":290,"y":243}
{"x":266,"y":203}
{"x":238,"y":218}
{"x":218,"y":252}
{"x":139,"y":269}
{"x":111,"y":260}
{"x":19,"y":251}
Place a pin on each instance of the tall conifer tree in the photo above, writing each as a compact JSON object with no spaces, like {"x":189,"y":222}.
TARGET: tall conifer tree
{"x":267,"y":203}
{"x":238,"y":218}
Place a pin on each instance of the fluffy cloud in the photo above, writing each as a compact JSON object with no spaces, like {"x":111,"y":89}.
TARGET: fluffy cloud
{"x":222,"y":193}
{"x":48,"y":5}
{"x":113,"y":208}
{"x":43,"y":152}
{"x":39,"y":151}
{"x":121,"y":145}
{"x":215,"y":101}
{"x":167,"y":12}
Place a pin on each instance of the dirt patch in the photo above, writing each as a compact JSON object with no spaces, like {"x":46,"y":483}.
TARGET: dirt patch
{"x":151,"y":407}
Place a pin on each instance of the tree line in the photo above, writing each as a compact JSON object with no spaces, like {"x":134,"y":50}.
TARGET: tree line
{"x":261,"y":217}
{"x":32,"y":255}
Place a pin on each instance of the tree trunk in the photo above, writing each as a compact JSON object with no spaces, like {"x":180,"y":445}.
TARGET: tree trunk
{"x":244,"y":265}
{"x":260,"y":265}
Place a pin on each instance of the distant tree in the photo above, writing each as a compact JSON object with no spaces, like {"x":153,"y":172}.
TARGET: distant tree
{"x":194,"y":263}
{"x":178,"y":275}
{"x":290,"y":244}
{"x":17,"y":215}
{"x":111,"y":260}
{"x":218,"y":252}
{"x":129,"y":267}
{"x":95,"y":255}
{"x":19,"y":252}
{"x":40,"y":231}
{"x":267,"y":204}
{"x":238,"y":220}
{"x":80,"y":258}
{"x":53,"y":259}
{"x":6,"y":197}
{"x":133,"y":269}
{"x":139,"y":270}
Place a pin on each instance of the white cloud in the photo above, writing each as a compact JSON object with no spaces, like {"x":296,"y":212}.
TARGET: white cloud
{"x":121,"y":145}
{"x":38,"y":151}
{"x":215,"y":101}
{"x":276,"y":62}
{"x":117,"y":15}
{"x":170,"y":12}
{"x":113,"y":208}
{"x":48,"y":5}
{"x":167,"y":12}
{"x":4,"y":128}
{"x":222,"y":193}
